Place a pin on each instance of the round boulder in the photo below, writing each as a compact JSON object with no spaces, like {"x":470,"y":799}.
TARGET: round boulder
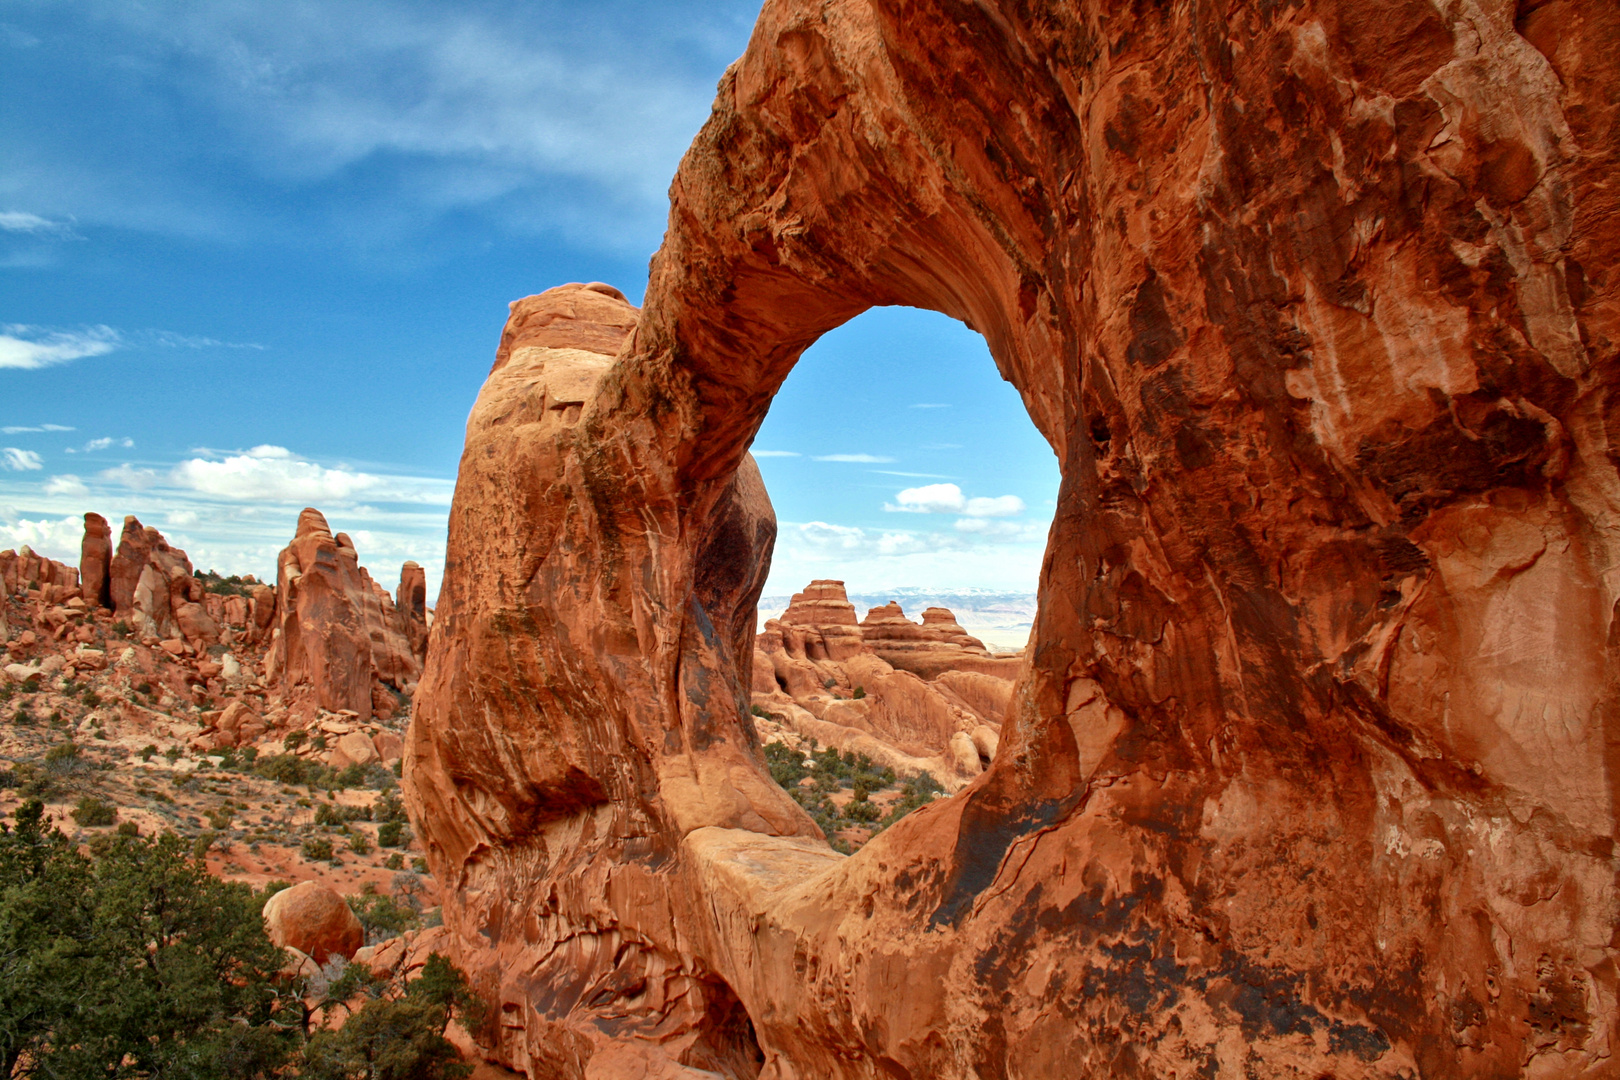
{"x":314,"y":920}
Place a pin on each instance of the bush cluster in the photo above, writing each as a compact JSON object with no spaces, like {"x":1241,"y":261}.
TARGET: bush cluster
{"x":829,"y":771}
{"x":132,"y":961}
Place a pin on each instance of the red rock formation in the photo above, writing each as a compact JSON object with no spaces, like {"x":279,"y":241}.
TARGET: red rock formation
{"x":23,"y":570}
{"x":1312,"y":772}
{"x":320,"y":653}
{"x":314,"y":920}
{"x":154,"y":589}
{"x":936,"y":645}
{"x":411,"y":602}
{"x":95,"y":561}
{"x":337,"y":639}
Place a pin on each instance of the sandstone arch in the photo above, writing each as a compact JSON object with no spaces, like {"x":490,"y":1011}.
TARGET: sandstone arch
{"x":1313,"y":771}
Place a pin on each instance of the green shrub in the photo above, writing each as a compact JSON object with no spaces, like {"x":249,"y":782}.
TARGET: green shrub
{"x":62,"y":758}
{"x":759,"y":711}
{"x":860,"y":692}
{"x":401,"y":1038}
{"x":419,"y":864}
{"x":293,"y":740}
{"x":93,"y":813}
{"x":133,"y":962}
{"x":396,"y":861}
{"x":393,"y":834}
{"x":382,"y":917}
{"x":360,"y":844}
{"x":220,"y":819}
{"x":317,"y":849}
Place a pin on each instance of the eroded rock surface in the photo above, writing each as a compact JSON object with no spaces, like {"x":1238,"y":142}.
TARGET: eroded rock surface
{"x":1312,"y":769}
{"x":879,"y":687}
{"x":339,"y":643}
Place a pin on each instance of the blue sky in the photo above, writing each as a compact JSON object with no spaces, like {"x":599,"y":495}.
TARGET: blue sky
{"x":257,"y":256}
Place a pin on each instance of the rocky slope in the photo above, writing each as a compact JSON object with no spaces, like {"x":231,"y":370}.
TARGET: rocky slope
{"x":910,"y":697}
{"x":145,"y":700}
{"x":1311,"y":771}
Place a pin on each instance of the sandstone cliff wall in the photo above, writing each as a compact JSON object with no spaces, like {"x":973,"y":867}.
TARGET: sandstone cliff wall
{"x":1313,"y":768}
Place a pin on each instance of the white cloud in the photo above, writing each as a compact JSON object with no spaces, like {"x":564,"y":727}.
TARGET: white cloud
{"x":104,"y":443}
{"x":1000,"y":506}
{"x":130,"y":477}
{"x":19,"y":222}
{"x":930,"y":499}
{"x":948,"y":499}
{"x":272,"y":473}
{"x":181,"y":519}
{"x":775,"y":453}
{"x":1002,"y":530}
{"x":552,"y":123}
{"x":41,"y":427}
{"x":20,"y":460}
{"x":30,"y":347}
{"x":911,"y":475}
{"x":66,"y":484}
{"x":856,"y":459}
{"x":59,"y":539}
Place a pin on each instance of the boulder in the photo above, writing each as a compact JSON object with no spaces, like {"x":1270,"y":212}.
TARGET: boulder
{"x":314,"y":920}
{"x":355,"y":748}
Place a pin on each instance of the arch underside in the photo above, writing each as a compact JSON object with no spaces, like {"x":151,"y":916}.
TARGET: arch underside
{"x":1312,"y":770}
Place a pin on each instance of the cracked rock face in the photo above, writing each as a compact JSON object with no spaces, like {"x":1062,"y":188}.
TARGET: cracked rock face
{"x":1313,"y":768}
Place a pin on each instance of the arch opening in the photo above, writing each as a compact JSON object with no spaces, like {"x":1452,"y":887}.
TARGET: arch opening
{"x":913,"y":499}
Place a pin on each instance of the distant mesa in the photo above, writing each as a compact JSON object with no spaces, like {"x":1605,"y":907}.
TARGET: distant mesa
{"x":915,"y":697}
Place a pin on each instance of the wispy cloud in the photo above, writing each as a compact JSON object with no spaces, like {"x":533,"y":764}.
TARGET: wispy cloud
{"x":28,"y":430}
{"x":127,"y":475}
{"x":911,"y":475}
{"x":16,"y":221}
{"x":66,"y":484}
{"x":31,"y":347}
{"x":775,"y":453}
{"x":855,"y":459}
{"x":27,"y":347}
{"x":546,"y":121}
{"x":948,"y":499}
{"x":106,"y":442}
{"x":20,"y":460}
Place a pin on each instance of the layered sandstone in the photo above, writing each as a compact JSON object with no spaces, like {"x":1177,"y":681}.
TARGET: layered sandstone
{"x":930,"y":648}
{"x":23,"y":570}
{"x":1312,"y":768}
{"x":338,"y":643}
{"x":154,"y":588}
{"x":821,"y":675}
{"x":95,"y":561}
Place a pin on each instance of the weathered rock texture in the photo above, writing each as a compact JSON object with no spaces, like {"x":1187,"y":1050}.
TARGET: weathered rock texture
{"x":338,"y":640}
{"x":154,"y":588}
{"x":878,"y":687}
{"x":1314,"y":769}
{"x":95,"y":561}
{"x":23,"y":570}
